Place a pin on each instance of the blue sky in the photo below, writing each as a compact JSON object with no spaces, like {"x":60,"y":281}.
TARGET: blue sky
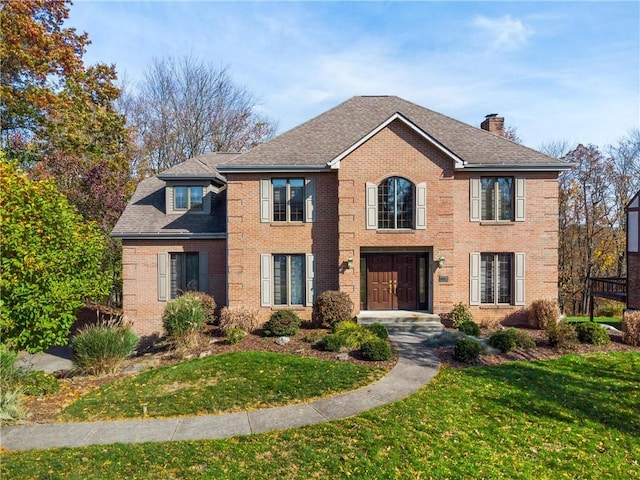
{"x":554,"y":70}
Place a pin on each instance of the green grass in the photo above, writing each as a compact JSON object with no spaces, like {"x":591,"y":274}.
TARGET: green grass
{"x":574,"y":417}
{"x":613,"y":321}
{"x":222,"y":383}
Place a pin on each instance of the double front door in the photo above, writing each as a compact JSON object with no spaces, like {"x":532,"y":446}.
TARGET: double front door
{"x":392,"y":281}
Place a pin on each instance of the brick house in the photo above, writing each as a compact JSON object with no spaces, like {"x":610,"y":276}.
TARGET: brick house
{"x":399,"y":206}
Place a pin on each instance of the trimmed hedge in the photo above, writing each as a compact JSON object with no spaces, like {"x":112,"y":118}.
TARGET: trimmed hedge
{"x":332,"y":307}
{"x":469,"y":327}
{"x":593,"y":333}
{"x":467,"y":350}
{"x":282,"y":323}
{"x":376,"y":350}
{"x":378,"y":329}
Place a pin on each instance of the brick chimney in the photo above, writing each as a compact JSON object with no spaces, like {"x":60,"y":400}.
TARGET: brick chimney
{"x":494,"y":124}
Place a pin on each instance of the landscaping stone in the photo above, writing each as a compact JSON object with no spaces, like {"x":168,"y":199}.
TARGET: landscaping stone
{"x":206,"y":353}
{"x":343,"y":357}
{"x":283,"y":340}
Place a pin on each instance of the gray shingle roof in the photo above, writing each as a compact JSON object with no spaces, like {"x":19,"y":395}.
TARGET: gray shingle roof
{"x":321,"y":139}
{"x":145,"y":215}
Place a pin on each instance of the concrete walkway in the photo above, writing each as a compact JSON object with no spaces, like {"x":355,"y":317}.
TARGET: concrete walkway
{"x":416,"y":366}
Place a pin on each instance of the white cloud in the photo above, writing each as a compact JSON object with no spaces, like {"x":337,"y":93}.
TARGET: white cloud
{"x":504,"y":33}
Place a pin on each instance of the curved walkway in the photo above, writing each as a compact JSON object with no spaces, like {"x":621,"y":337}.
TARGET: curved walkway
{"x":416,"y":366}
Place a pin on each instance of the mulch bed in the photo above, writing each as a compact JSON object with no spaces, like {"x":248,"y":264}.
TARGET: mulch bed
{"x":543,"y":350}
{"x":74,"y":385}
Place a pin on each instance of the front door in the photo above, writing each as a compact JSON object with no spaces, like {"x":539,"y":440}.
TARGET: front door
{"x":392,"y":282}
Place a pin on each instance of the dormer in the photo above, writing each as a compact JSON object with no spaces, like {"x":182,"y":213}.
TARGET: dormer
{"x":190,"y":187}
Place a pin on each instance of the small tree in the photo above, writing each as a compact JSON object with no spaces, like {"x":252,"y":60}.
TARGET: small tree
{"x":51,"y":262}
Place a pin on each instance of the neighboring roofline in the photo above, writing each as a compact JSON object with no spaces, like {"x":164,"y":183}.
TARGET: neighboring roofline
{"x":459,"y":163}
{"x":226,"y":168}
{"x":167,"y":236}
{"x":519,"y":167}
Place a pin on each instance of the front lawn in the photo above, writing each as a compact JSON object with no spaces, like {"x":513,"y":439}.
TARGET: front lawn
{"x":573,"y":417}
{"x":613,"y":321}
{"x":221,"y":383}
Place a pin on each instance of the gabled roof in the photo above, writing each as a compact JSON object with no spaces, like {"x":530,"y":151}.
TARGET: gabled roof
{"x":323,"y":140}
{"x":144,"y":215}
{"x":202,"y":167}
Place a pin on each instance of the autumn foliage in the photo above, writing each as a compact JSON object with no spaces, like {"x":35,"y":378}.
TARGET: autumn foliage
{"x":51,"y":262}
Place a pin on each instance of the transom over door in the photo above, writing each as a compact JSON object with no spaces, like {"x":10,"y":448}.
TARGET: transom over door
{"x":392,"y":282}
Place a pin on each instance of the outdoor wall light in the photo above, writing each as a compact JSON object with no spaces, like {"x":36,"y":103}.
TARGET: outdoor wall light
{"x":441,"y":261}
{"x":350,"y":263}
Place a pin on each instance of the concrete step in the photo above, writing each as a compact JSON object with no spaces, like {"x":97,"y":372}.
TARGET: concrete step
{"x":403,"y":321}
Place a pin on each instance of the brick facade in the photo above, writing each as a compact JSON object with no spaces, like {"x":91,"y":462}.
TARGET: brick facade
{"x":140,"y":278}
{"x":343,"y":166}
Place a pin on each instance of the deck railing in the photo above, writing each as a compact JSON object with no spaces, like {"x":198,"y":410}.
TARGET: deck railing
{"x":614,"y":288}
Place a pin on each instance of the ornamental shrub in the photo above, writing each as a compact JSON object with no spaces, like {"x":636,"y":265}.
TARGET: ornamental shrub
{"x":503,"y":341}
{"x":183,"y":319}
{"x":9,"y":372}
{"x":38,"y":383}
{"x":208,"y":305}
{"x":235,"y":335}
{"x":460,"y":314}
{"x":244,"y":318}
{"x":467,"y":350}
{"x":610,"y":308}
{"x":562,"y":335}
{"x":101,"y":348}
{"x":378,"y":329}
{"x":282,"y":323}
{"x":376,"y":350}
{"x":543,"y":312}
{"x":51,"y":262}
{"x":631,"y":327}
{"x":523,"y":339}
{"x":469,"y":327}
{"x":332,"y":342}
{"x":353,"y":334}
{"x":593,"y":333}
{"x":332,"y":307}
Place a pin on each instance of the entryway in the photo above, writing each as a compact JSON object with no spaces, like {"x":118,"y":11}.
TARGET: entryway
{"x":394,"y":281}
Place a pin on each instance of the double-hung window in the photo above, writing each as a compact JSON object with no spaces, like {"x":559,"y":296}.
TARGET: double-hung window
{"x":288,"y":280}
{"x":496,"y":278}
{"x":497,"y":198}
{"x":188,"y":197}
{"x":288,"y":199}
{"x":184,"y":273}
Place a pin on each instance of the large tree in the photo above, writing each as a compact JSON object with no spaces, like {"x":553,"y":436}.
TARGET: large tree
{"x":51,"y":261}
{"x":57,"y":115}
{"x":183,"y":108}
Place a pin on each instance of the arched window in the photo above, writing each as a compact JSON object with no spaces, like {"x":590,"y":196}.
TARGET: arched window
{"x":395,"y":203}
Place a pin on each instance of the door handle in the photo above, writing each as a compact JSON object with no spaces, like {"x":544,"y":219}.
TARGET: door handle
{"x":395,"y":287}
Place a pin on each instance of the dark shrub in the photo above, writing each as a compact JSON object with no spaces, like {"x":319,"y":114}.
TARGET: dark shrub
{"x":282,"y":323}
{"x":99,"y":349}
{"x":183,"y":319}
{"x":593,"y":333}
{"x":332,"y":342}
{"x":376,"y":350}
{"x":38,"y":383}
{"x":460,"y":314}
{"x":379,"y":330}
{"x":467,"y":350}
{"x":562,"y":336}
{"x":503,"y":341}
{"x":331,"y":307}
{"x":208,"y":305}
{"x":523,"y":339}
{"x":469,"y":327}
